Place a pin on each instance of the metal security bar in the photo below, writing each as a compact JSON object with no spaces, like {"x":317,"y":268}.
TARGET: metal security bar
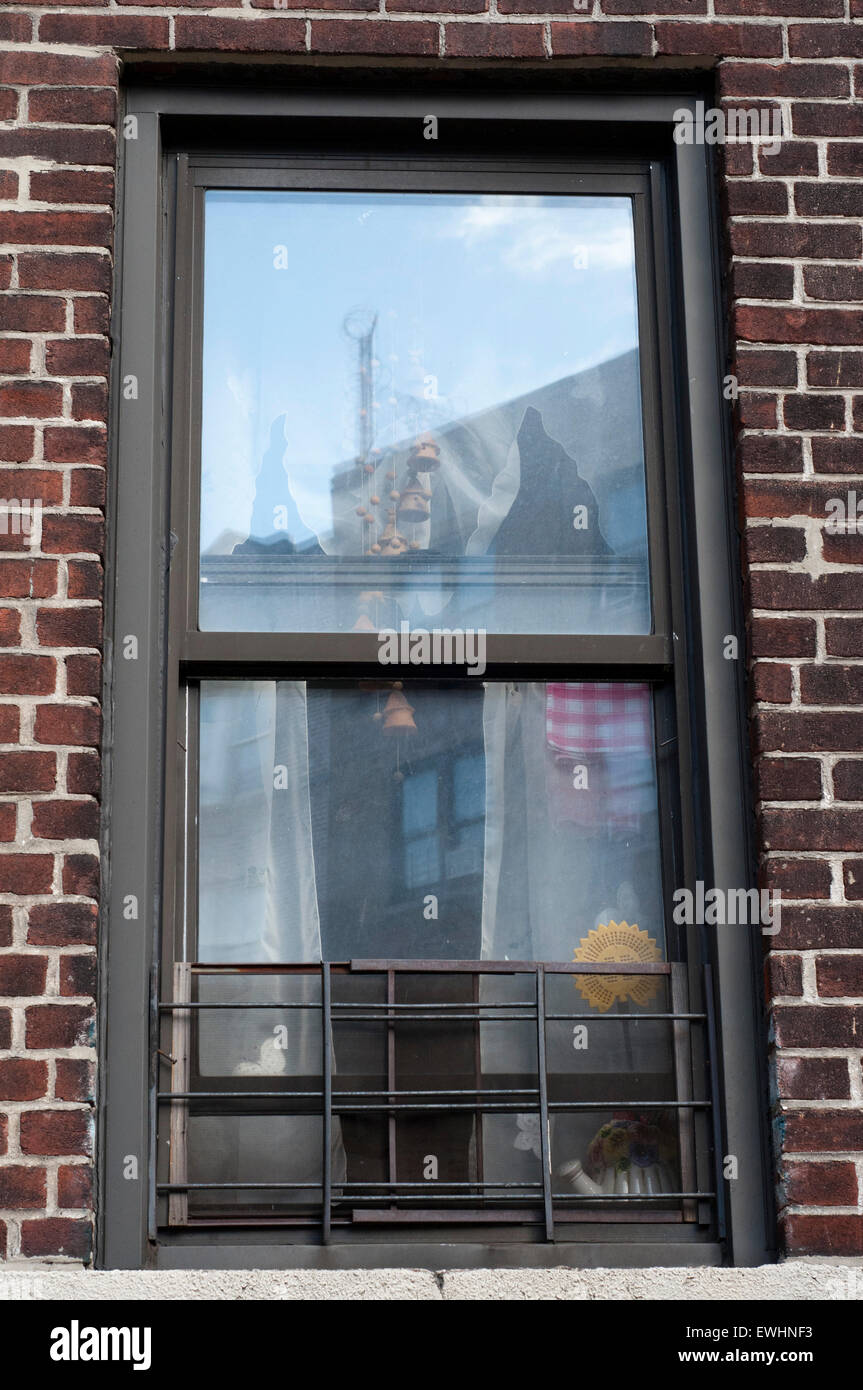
{"x":480,"y":1200}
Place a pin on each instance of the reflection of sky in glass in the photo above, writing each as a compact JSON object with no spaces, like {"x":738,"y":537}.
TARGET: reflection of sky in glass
{"x":478,"y":300}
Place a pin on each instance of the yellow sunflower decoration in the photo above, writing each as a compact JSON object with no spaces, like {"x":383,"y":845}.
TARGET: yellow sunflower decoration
{"x":617,"y":941}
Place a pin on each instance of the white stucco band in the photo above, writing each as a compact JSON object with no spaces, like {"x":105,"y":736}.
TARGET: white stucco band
{"x":802,"y":1279}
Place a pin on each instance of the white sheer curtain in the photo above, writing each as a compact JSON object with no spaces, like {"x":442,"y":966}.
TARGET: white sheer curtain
{"x":258,"y":903}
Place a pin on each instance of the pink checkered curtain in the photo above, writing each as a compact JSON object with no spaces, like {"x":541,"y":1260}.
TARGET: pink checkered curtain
{"x":572,"y":825}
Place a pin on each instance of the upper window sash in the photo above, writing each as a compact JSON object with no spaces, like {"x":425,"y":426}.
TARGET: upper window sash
{"x":458,"y":191}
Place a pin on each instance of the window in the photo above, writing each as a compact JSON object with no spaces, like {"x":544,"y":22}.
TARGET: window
{"x":430,"y":707}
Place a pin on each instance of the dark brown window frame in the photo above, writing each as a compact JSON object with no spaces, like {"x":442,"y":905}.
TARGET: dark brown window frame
{"x":192,"y":655}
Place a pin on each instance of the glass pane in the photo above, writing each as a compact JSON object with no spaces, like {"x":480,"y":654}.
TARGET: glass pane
{"x":431,"y":820}
{"x":421,"y":408}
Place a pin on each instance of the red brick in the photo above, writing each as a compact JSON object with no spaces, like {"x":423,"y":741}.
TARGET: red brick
{"x":27,"y":771}
{"x":821,"y":240}
{"x":766,"y":368}
{"x":759,"y":198}
{"x":792,"y":829}
{"x":821,"y":1184}
{"x":257,"y":35}
{"x":90,"y":401}
{"x":84,"y":770}
{"x":5,"y":1042}
{"x":15,"y":28}
{"x":836,"y":369}
{"x":91,"y":315}
{"x":775,"y":544}
{"x":814,"y":1025}
{"x":756,"y":412}
{"x":837,"y":455}
{"x":23,"y":1079}
{"x":590,"y":38}
{"x":47,"y":69}
{"x":783,"y":974}
{"x":826,"y":118}
{"x":15,"y":356}
{"x":783,"y":637}
{"x":796,"y":878}
{"x":81,"y":875}
{"x":73,"y":186}
{"x":74,"y":1185}
{"x":22,"y":1187}
{"x":65,"y":627}
{"x":59,"y":228}
{"x":831,"y":685}
{"x":87,"y":488}
{"x":813,"y":1078}
{"x":844,"y":636}
{"x":373,"y":36}
{"x":426,"y":6}
{"x":803,"y":412}
{"x":720,"y":40}
{"x":845,"y":160}
{"x":75,"y":1079}
{"x":83,"y":677}
{"x":59,"y":1025}
{"x":762,"y":280}
{"x":832,"y":327}
{"x":5,"y":925}
{"x":73,"y":105}
{"x":10,"y":627}
{"x":77,"y":357}
{"x":75,"y":444}
{"x":26,"y":873}
{"x":825,"y":41}
{"x":33,"y":398}
{"x":789,"y":779}
{"x":76,"y":725}
{"x":794,"y":157}
{"x":833,"y":282}
{"x":771,"y":682}
{"x":782,"y":79}
{"x":812,"y":9}
{"x":493,"y":41}
{"x":8,"y":822}
{"x":78,"y":976}
{"x":758,"y":454}
{"x":118,"y":30}
{"x":63,"y":924}
{"x":70,"y":270}
{"x":833,"y":1131}
{"x":16,"y":443}
{"x":22,"y":975}
{"x":3,"y":1241}
{"x":32,"y":483}
{"x":56,"y":1235}
{"x":828,"y":199}
{"x":778,"y":589}
{"x":5,"y":272}
{"x":852,"y":873}
{"x":30,"y":313}
{"x":85,"y":579}
{"x":840,"y":977}
{"x":843,"y":550}
{"x":69,"y":535}
{"x":27,"y":675}
{"x":10,"y":722}
{"x":811,"y":927}
{"x":71,"y":820}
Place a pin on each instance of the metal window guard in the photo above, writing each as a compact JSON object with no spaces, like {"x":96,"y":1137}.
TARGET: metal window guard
{"x":526,"y":1202}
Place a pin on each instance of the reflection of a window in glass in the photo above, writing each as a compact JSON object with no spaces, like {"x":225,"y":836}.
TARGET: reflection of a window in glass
{"x":451,"y":422}
{"x":443,"y":817}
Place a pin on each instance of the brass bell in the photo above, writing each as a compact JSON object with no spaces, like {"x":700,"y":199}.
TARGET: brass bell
{"x":414,"y":505}
{"x":425,"y":455}
{"x":398,"y":715}
{"x":392,"y":542}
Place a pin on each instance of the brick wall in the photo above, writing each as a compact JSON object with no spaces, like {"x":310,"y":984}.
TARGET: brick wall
{"x":792,"y":225}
